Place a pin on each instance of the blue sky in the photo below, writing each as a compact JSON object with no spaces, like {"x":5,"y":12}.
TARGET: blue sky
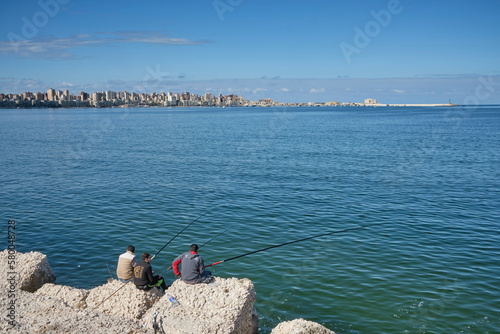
{"x":411,"y":51}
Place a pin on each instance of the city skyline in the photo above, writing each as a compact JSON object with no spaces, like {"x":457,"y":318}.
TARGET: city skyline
{"x":395,"y":51}
{"x":109,"y":99}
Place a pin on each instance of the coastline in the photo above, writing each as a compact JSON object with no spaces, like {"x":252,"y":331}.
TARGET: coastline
{"x":56,"y":105}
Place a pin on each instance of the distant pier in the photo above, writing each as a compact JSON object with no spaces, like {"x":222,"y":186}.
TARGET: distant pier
{"x":373,"y":103}
{"x":423,"y":105}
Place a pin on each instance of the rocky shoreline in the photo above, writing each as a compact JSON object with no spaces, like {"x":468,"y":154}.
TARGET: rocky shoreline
{"x":33,"y":303}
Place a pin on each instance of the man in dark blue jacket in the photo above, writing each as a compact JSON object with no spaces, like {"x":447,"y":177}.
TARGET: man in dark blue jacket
{"x":143,"y":275}
{"x":192,"y":268}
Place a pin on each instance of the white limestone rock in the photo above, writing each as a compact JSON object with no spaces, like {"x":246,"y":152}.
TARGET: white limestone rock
{"x":125,"y":300}
{"x":36,"y":313}
{"x":31,"y":270}
{"x":226,"y":307}
{"x":73,"y":297}
{"x":300,"y":326}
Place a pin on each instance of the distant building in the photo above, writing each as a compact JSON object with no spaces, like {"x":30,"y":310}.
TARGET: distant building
{"x":51,"y":94}
{"x":39,"y":96}
{"x":370,"y":101}
{"x":332,"y":103}
{"x":83,"y":96}
{"x":27,"y":95}
{"x":110,"y":95}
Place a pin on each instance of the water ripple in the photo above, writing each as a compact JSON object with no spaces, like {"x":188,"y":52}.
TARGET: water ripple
{"x":81,"y":194}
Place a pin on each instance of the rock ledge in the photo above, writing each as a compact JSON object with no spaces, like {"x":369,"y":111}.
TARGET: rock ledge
{"x":222,"y":307}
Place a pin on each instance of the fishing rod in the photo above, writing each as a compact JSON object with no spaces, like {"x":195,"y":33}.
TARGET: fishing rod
{"x":152,"y":258}
{"x":95,"y":307}
{"x":227,"y":229}
{"x":109,"y":271}
{"x":200,"y":247}
{"x":178,"y":234}
{"x":292,"y":242}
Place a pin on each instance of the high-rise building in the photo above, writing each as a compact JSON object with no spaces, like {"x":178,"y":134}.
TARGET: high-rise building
{"x":110,"y":95}
{"x":27,"y":95}
{"x":39,"y":96}
{"x":97,"y":96}
{"x":125,"y":95}
{"x":51,"y":94}
{"x":83,"y":96}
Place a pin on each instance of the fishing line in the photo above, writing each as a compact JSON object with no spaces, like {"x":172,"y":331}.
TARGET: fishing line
{"x":227,"y":229}
{"x":179,"y":233}
{"x":292,"y":242}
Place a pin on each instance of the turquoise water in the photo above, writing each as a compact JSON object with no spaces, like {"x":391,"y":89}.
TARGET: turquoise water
{"x":82,"y":184}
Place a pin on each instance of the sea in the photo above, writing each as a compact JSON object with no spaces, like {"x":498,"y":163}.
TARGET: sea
{"x":403,"y":204}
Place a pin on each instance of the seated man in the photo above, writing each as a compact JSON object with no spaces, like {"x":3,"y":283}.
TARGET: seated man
{"x":192,"y":268}
{"x":126,"y":264}
{"x":143,"y":275}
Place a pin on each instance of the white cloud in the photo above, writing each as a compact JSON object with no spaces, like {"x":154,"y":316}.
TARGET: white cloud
{"x":399,"y":91}
{"x":314,"y":90}
{"x":52,"y":47}
{"x":286,"y":90}
{"x":258,"y":90}
{"x":11,"y":85}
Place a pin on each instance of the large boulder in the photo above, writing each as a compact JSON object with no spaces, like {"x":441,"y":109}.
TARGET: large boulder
{"x":225,"y":306}
{"x":36,"y":313}
{"x":300,"y":326}
{"x":29,"y":272}
{"x":122,"y":299}
{"x":73,"y":297}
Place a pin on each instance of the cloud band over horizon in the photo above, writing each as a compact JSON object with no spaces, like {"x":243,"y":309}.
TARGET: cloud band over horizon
{"x":467,"y":89}
{"x":59,"y":47}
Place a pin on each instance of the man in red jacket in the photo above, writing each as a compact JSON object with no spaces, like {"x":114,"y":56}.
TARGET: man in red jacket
{"x":192,"y":268}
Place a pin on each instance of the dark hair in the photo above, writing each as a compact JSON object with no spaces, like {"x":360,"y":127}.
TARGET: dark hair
{"x":145,"y":256}
{"x":193,"y":248}
{"x":131,"y":248}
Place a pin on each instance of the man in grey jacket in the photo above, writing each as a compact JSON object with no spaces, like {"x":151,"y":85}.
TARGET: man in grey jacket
{"x":192,"y":267}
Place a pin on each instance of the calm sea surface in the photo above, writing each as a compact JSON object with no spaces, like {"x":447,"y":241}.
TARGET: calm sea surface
{"x":82,"y":184}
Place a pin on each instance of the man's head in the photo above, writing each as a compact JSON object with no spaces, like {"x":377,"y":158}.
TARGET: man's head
{"x":193,"y":248}
{"x":131,"y":248}
{"x":146,"y":257}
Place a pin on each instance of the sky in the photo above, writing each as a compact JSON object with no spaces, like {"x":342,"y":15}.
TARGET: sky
{"x":395,"y":51}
